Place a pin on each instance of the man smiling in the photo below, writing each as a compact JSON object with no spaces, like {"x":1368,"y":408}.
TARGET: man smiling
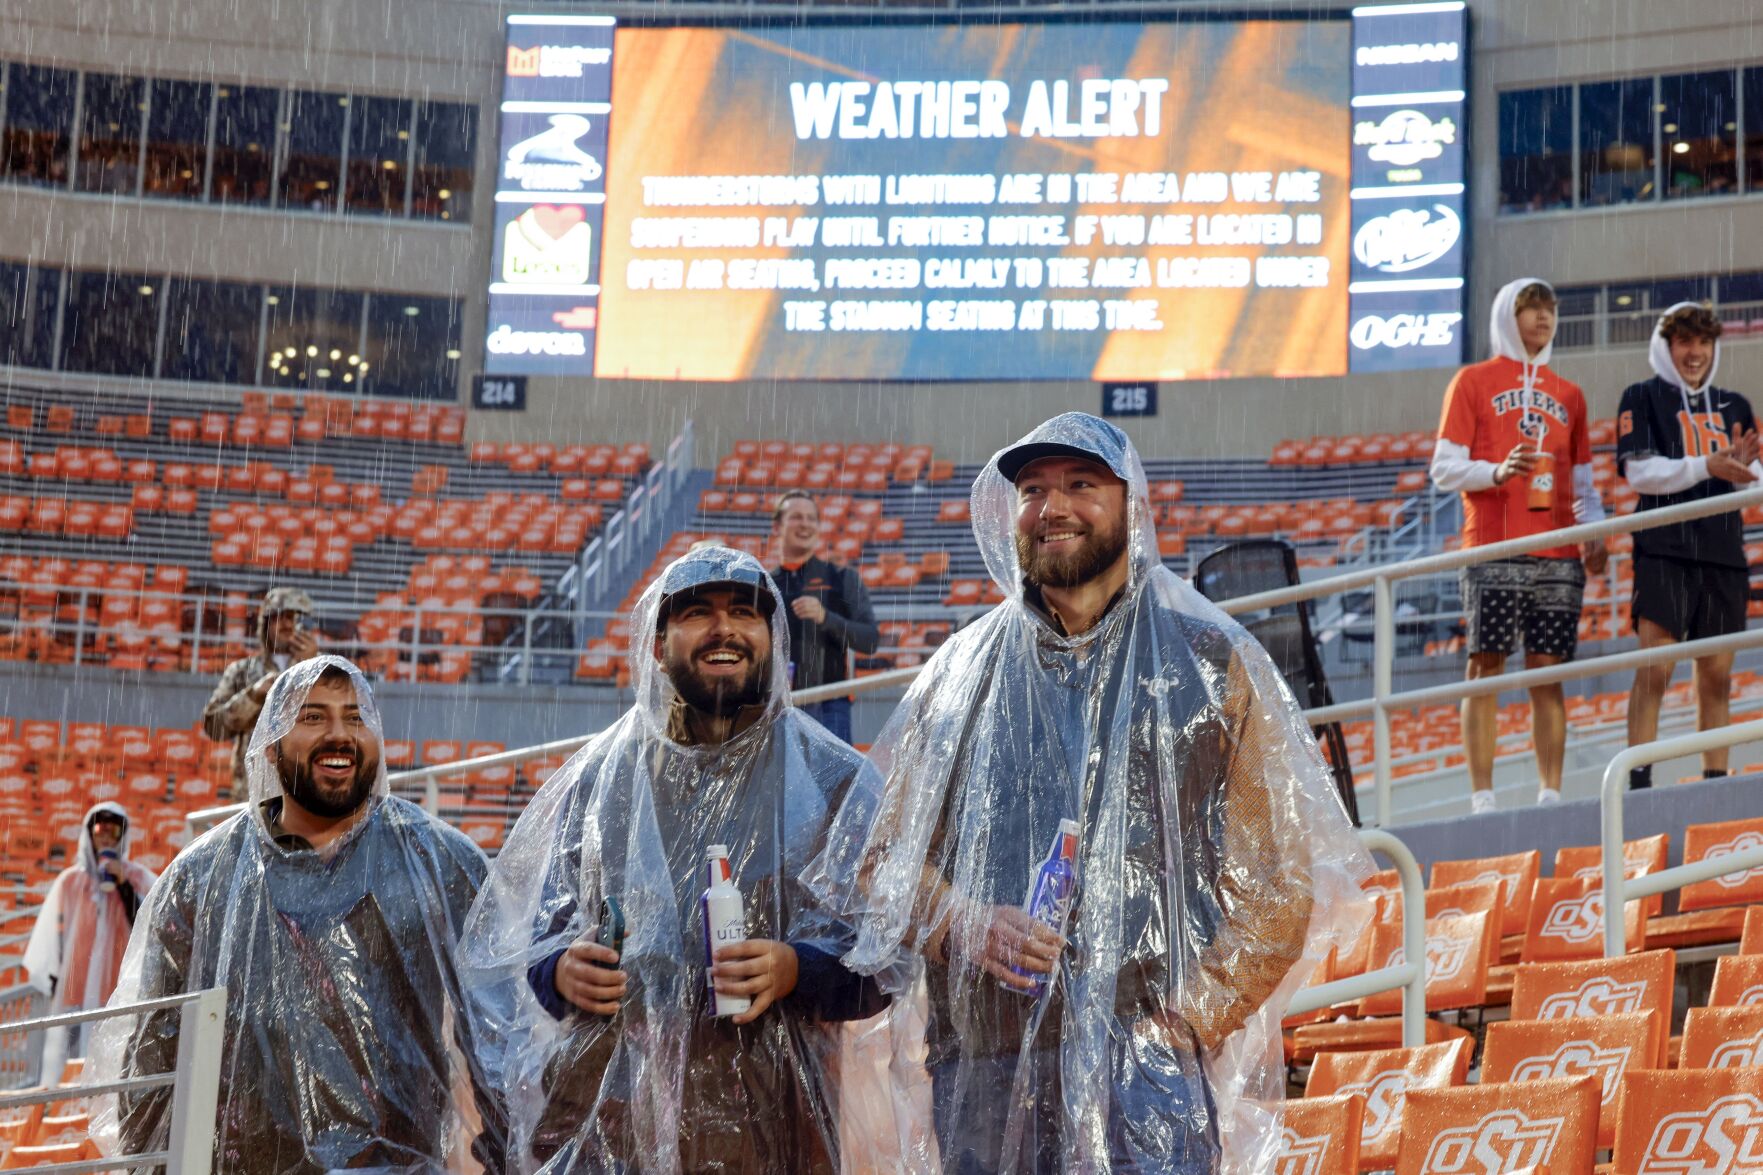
{"x":328,"y":909}
{"x":829,"y":610}
{"x":590,"y":929}
{"x":1213,"y":862}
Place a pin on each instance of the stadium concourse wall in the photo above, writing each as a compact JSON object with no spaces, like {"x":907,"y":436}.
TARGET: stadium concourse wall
{"x":449,"y":50}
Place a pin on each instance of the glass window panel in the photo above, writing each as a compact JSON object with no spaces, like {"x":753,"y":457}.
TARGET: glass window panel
{"x":211,"y":331}
{"x":1616,"y":142}
{"x":1575,"y":301}
{"x":1685,"y":289}
{"x":177,"y":139}
{"x":312,"y":334}
{"x":379,"y":151}
{"x":244,"y":144}
{"x":412,"y":347}
{"x":446,"y":153}
{"x":1741,"y":287}
{"x":1754,"y":129}
{"x":1699,"y":126}
{"x":314,"y":163}
{"x":1536,"y":144}
{"x":28,"y":295}
{"x":111,"y":322}
{"x":39,"y":124}
{"x":110,"y":133}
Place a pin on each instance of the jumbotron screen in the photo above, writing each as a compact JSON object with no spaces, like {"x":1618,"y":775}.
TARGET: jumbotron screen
{"x":1082,"y":201}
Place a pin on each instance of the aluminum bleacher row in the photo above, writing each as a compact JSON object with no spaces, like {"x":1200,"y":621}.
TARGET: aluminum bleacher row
{"x":1575,"y":1054}
{"x":376,"y":506}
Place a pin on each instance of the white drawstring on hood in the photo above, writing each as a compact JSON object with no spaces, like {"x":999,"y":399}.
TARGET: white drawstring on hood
{"x":1659,"y":355}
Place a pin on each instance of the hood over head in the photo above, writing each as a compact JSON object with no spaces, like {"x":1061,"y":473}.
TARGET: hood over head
{"x":1659,"y":356}
{"x":703,"y":569}
{"x":1072,"y":434}
{"x":282,"y":707}
{"x":88,"y":854}
{"x":1503,"y":325}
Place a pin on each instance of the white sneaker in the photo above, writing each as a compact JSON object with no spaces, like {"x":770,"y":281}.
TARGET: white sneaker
{"x":1481,"y":802}
{"x":1547,"y":796}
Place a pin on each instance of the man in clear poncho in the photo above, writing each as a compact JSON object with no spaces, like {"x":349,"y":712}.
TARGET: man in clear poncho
{"x":76,"y":947}
{"x":329,"y":910}
{"x":614,"y":1062}
{"x":1214,"y":868}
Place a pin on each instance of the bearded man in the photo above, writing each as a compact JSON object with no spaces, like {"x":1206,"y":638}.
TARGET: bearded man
{"x":1118,"y":1009}
{"x":329,"y":910}
{"x":590,"y":923}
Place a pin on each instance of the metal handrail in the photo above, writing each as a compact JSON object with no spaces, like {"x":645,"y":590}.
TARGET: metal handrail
{"x":195,"y":1081}
{"x":1618,"y":887}
{"x":1410,"y":973}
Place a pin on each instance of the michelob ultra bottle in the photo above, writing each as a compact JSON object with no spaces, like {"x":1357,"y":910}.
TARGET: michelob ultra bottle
{"x":725,"y":923}
{"x":1049,"y":893}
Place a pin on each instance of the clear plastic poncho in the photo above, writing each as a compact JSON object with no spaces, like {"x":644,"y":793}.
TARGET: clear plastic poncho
{"x":662,"y":1086}
{"x":348,"y":1038}
{"x":1216,"y":866}
{"x":77,"y":944}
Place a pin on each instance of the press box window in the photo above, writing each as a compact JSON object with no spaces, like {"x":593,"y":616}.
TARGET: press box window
{"x":446,"y":153}
{"x":379,"y":155}
{"x":29,"y":295}
{"x":110,"y":134}
{"x":1698,"y":124}
{"x":244,"y":144}
{"x":1616,"y":156}
{"x":211,"y":331}
{"x":177,"y":139}
{"x":111,"y":323}
{"x":313,"y":167}
{"x":39,"y":124}
{"x":1536,"y":149}
{"x":412,"y":347}
{"x":312,"y":335}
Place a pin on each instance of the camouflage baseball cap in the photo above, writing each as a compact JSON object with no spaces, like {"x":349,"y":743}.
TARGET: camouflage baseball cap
{"x":283,"y":599}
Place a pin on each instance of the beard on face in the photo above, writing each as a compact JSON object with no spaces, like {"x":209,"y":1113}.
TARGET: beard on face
{"x":1100,"y":549}
{"x":327,"y":803}
{"x":720,"y":698}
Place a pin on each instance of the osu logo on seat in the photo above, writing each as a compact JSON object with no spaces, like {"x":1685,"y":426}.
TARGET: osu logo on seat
{"x":1383,"y":1101}
{"x":1504,"y":1140}
{"x":1727,"y":1136}
{"x":1445,"y":956}
{"x":1574,"y":1059}
{"x":1300,"y":1156}
{"x":1576,"y":920}
{"x":1597,"y":996}
{"x":1738,"y":844}
{"x":1738,"y":1054}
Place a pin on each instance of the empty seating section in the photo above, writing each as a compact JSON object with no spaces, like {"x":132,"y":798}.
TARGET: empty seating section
{"x":1567,"y":1053}
{"x":901,"y":515}
{"x":377,"y":506}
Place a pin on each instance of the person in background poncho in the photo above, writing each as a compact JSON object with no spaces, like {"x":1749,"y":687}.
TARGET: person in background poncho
{"x":328,"y":909}
{"x":76,"y":948}
{"x":613,"y":1062}
{"x":1215,"y":865}
{"x":1681,"y":439}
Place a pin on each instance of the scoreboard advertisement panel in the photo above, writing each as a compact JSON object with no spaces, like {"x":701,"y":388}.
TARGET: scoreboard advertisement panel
{"x":1115,"y":201}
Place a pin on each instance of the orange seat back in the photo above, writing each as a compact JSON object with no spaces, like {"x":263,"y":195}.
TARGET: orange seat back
{"x":1691,"y":1120}
{"x":1553,"y":1123}
{"x":1603,"y":1047}
{"x":1456,"y":963}
{"x":1722,"y":1038}
{"x":1598,"y":987}
{"x":1751,"y":942}
{"x":1567,"y":920}
{"x":1384,"y":1077}
{"x":1648,"y":854}
{"x":1702,"y":841}
{"x":1518,"y":870}
{"x":1319,"y":1135}
{"x":1738,"y":982}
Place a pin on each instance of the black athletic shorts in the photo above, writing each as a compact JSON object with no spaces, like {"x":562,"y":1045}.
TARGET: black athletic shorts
{"x":1690,"y":600}
{"x":1535,"y":599}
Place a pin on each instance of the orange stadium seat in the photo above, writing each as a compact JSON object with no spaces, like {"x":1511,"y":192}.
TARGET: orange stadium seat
{"x":1384,"y":1077}
{"x":1599,"y":987}
{"x":1552,"y":1123}
{"x":1604,"y":1047}
{"x":1321,"y":1134}
{"x":1690,"y":1120}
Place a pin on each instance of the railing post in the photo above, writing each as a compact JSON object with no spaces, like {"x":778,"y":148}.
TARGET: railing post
{"x":202,"y":1026}
{"x":431,"y":794}
{"x":416,"y":645}
{"x":79,"y":629}
{"x":1383,"y":675}
{"x":526,"y":647}
{"x":196,"y":637}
